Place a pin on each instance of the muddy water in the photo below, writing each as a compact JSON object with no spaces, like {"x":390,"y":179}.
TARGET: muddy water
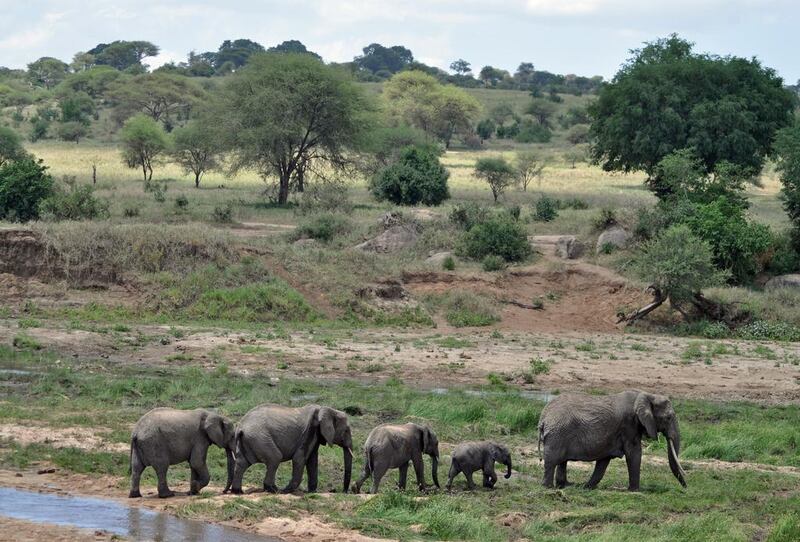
{"x":533,"y":395}
{"x":99,"y":514}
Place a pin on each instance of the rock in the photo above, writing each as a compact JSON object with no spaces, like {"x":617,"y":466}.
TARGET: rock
{"x":424,"y":215}
{"x":783,"y":281}
{"x":390,"y":219}
{"x":615,"y":236}
{"x":389,"y":289}
{"x":438,"y":258}
{"x":393,"y":239}
{"x":563,"y":246}
{"x":305,"y":243}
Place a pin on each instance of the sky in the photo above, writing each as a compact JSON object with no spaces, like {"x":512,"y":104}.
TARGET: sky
{"x":585,"y":37}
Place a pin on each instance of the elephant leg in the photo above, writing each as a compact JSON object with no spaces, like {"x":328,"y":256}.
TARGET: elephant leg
{"x":419,"y":470}
{"x":366,"y":474}
{"x":377,"y":473}
{"x":269,"y":478}
{"x":163,"y":489}
{"x":298,"y":464}
{"x":470,"y":482}
{"x":136,"y":474}
{"x":241,"y":465}
{"x":454,"y":470}
{"x":401,"y":484}
{"x":561,"y":475}
{"x":633,"y":458}
{"x":549,"y":472}
{"x":489,"y":478}
{"x":312,"y":470}
{"x":200,"y":476}
{"x":599,"y":471}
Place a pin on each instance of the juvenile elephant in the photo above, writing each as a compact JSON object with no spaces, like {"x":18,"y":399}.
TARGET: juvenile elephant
{"x":469,"y":457}
{"x":272,"y":434}
{"x":166,"y":436}
{"x":598,"y":428}
{"x":393,"y":447}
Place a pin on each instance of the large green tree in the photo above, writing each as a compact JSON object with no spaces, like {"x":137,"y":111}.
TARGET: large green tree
{"x":284,"y":113}
{"x":123,"y":55}
{"x":143,"y":143}
{"x":787,"y":146}
{"x":162,"y":96}
{"x":668,"y":97}
{"x":10,"y":146}
{"x":47,"y":71}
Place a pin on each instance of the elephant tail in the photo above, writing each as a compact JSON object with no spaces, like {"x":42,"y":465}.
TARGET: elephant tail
{"x":369,"y":460}
{"x":540,"y":439}
{"x":134,"y":451}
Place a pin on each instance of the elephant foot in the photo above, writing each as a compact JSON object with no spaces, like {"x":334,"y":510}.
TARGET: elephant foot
{"x":134,"y":494}
{"x":288,"y":490}
{"x":562,"y":485}
{"x":236,"y":490}
{"x":589,"y":486}
{"x":271,"y":489}
{"x":166,"y":494}
{"x":634,"y":489}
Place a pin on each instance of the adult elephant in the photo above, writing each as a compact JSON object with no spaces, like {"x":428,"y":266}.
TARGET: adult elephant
{"x":272,"y":434}
{"x":166,"y":436}
{"x":576,"y":427}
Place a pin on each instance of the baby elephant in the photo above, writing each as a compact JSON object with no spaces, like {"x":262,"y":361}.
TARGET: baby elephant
{"x":165,"y":436}
{"x":469,"y":457}
{"x":393,"y":447}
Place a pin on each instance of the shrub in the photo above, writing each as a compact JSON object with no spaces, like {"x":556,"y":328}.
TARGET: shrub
{"x":449,"y":263}
{"x":514,"y":212}
{"x":606,"y":219}
{"x":10,"y":146}
{"x":223,"y":214}
{"x":416,"y":177}
{"x":260,"y":302}
{"x":497,"y":236}
{"x":497,"y":173}
{"x":530,"y":132}
{"x":23,"y":185}
{"x":473,"y":141}
{"x":71,"y":131}
{"x":574,"y":203}
{"x":464,"y":309}
{"x":493,"y":263}
{"x":485,"y":128}
{"x":330,"y":196}
{"x":181,"y":203}
{"x":466,"y":215}
{"x":323,"y":227}
{"x":71,"y":201}
{"x":546,"y":209}
{"x":130,"y":212}
{"x":785,"y":258}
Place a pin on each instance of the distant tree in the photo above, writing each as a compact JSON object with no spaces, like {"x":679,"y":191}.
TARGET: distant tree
{"x":47,"y":71}
{"x":143,"y":143}
{"x":293,"y":46}
{"x":161,"y":96}
{"x":667,"y":98}
{"x":501,"y":113}
{"x":377,"y":58}
{"x":94,"y":81}
{"x":199,"y":65}
{"x":195,"y":149}
{"x":284,"y":110}
{"x":24,"y":183}
{"x":542,"y":110}
{"x":497,"y":172}
{"x":460,"y":67}
{"x":787,"y":147}
{"x":10,"y":146}
{"x":492,"y":76}
{"x":81,"y":62}
{"x":485,"y":129}
{"x":237,"y":52}
{"x":76,"y":107}
{"x":578,"y":153}
{"x":72,"y":131}
{"x":123,"y":55}
{"x":523,"y":77}
{"x":528,"y":167}
{"x":578,"y":133}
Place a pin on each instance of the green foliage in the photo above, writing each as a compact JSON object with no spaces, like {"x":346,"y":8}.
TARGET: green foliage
{"x":223,"y":214}
{"x":47,"y":72}
{"x":10,"y":145}
{"x":787,"y":148}
{"x":77,"y":107}
{"x":195,"y":150}
{"x":491,"y":263}
{"x":681,"y":175}
{"x":94,"y":81}
{"x":725,"y":108}
{"x":467,"y":215}
{"x":161,"y":96}
{"x":324,"y":227}
{"x":261,"y":302}
{"x":143,"y":143}
{"x":546,"y":209}
{"x":785,"y":257}
{"x":24,"y":183}
{"x":466,"y":309}
{"x":416,"y":177}
{"x":72,"y":131}
{"x":497,"y":172}
{"x":786,"y":529}
{"x":71,"y":201}
{"x":496,"y":236}
{"x":485,"y":129}
{"x":531,"y":132}
{"x":528,"y":166}
{"x":678,"y":264}
{"x":449,"y":264}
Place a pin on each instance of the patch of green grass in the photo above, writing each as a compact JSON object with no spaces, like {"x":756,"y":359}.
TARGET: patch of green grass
{"x":26,"y":342}
{"x":764,"y":352}
{"x":454,"y":342}
{"x":587,"y":346}
{"x":252,"y":349}
{"x":25,"y":323}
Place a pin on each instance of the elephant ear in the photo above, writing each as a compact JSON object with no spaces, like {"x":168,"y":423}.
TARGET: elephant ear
{"x":326,"y":425}
{"x":644,"y":411}
{"x":213,"y":425}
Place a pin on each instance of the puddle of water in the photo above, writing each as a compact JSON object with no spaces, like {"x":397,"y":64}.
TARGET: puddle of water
{"x":533,"y":395}
{"x":304,"y":397}
{"x":15,"y":372}
{"x":129,"y":521}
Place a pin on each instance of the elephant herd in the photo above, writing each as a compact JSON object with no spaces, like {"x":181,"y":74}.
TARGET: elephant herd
{"x":572,"y":427}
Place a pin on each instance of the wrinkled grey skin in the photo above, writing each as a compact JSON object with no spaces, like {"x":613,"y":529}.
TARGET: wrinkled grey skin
{"x":469,"y":457}
{"x":166,"y":436}
{"x":393,"y":447}
{"x":598,"y":428}
{"x":272,"y":434}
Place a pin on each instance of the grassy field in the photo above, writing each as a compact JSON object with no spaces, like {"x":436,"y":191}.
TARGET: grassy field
{"x":743,"y":503}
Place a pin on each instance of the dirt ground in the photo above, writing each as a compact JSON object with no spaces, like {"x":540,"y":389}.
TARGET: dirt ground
{"x":16,"y":530}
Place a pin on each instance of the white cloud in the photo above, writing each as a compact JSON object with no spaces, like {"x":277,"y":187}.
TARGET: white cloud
{"x":33,"y":37}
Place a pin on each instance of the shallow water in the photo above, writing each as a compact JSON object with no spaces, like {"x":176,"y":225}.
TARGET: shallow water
{"x":533,"y":395}
{"x":129,"y":521}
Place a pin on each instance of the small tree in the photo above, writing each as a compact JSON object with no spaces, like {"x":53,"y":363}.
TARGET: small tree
{"x":23,"y":184}
{"x":497,"y":172}
{"x":195,"y":150}
{"x":485,"y":129}
{"x":71,"y":131}
{"x":143,"y":142}
{"x":416,"y":177}
{"x":787,"y":147}
{"x":528,"y":167}
{"x":10,"y":145}
{"x":542,"y":110}
{"x":460,"y":66}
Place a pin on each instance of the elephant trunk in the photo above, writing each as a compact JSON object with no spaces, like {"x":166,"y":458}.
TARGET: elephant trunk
{"x":435,"y":470}
{"x":508,"y":472}
{"x":348,"y":468}
{"x":231,"y":464}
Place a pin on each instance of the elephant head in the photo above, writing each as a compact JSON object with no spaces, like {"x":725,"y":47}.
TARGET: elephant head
{"x":222,"y":432}
{"x":501,"y":455}
{"x":335,"y":429}
{"x":656,"y":415}
{"x":430,"y":446}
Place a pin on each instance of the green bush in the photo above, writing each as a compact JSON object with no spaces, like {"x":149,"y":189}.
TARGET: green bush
{"x":531,"y":132}
{"x":223,"y":214}
{"x":493,"y":263}
{"x":416,"y":177}
{"x":449,"y":263}
{"x":785,"y":258}
{"x":497,"y":236}
{"x":181,"y":203}
{"x":606,"y":219}
{"x":323,"y":227}
{"x":546,"y":209}
{"x":467,"y":215}
{"x":260,"y":302}
{"x":23,"y":185}
{"x":70,"y":201}
{"x":10,"y":146}
{"x":465,"y":309}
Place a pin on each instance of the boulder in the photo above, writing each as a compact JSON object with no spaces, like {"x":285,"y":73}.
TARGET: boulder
{"x":306,"y":242}
{"x":783,"y":281}
{"x":563,"y":246}
{"x":615,"y":236}
{"x":390,"y":219}
{"x":393,"y":239}
{"x":438,"y":258}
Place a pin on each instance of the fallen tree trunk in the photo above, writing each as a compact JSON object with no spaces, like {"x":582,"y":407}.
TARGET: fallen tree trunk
{"x":525,"y":305}
{"x":658,"y":300}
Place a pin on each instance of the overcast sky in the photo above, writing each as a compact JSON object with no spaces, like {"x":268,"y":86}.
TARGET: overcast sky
{"x":586,"y":37}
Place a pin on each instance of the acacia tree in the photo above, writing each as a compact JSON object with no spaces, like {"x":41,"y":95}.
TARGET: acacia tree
{"x":460,"y":67}
{"x":47,"y":71}
{"x":143,"y":142}
{"x":497,"y":172}
{"x":787,"y":146}
{"x":528,"y":167}
{"x":159,"y":95}
{"x":284,"y":111}
{"x":195,"y":150}
{"x":10,"y":146}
